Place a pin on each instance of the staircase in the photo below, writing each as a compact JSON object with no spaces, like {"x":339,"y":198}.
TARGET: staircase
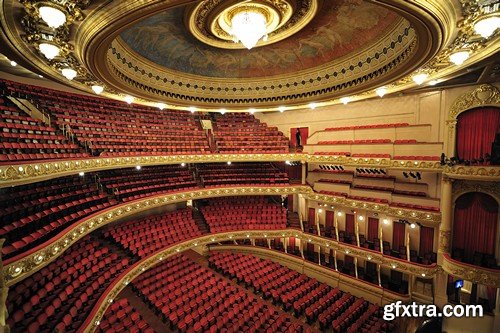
{"x":200,"y":221}
{"x":293,"y":220}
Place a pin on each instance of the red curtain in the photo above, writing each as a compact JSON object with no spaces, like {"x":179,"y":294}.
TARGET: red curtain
{"x":329,"y":218}
{"x":476,"y":130}
{"x":398,"y":235}
{"x":312,"y":217}
{"x":304,"y":133}
{"x":291,"y":242}
{"x":349,"y":223}
{"x":475,"y":224}
{"x":310,"y":248}
{"x":348,"y":259}
{"x":426,"y":240}
{"x":372,"y":228}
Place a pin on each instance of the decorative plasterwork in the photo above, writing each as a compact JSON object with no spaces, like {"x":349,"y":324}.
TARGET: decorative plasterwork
{"x":492,"y":188}
{"x":481,"y":173}
{"x":35,"y":260}
{"x":475,"y":274}
{"x":29,"y":172}
{"x":430,"y":219}
{"x":151,"y":261}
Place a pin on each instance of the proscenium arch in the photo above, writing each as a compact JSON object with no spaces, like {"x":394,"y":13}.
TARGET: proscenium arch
{"x":484,"y":95}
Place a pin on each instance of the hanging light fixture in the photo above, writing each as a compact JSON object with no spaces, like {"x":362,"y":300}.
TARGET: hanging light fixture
{"x":161,"y":106}
{"x":459,"y":57}
{"x":50,"y":51}
{"x":420,"y":78}
{"x":248,"y":26}
{"x":52,"y":16}
{"x":345,"y":100}
{"x":381,"y":91}
{"x":129,"y":99}
{"x":69,"y":73}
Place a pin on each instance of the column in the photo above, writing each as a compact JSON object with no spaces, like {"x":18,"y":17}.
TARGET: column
{"x":4,"y":290}
{"x":380,"y":236}
{"x":356,"y":228}
{"x":317,"y":221}
{"x":302,"y":249}
{"x":378,"y":276}
{"x":496,"y":312}
{"x":285,"y":244}
{"x":253,"y":241}
{"x":407,"y":244}
{"x":440,"y":281}
{"x":336,"y":224}
{"x":446,"y":218}
{"x":335,"y":259}
{"x":319,"y":255}
{"x":356,"y":266}
{"x":304,"y":172}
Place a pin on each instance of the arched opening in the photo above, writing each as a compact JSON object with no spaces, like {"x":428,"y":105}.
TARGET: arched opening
{"x":476,"y":132}
{"x":475,"y":229}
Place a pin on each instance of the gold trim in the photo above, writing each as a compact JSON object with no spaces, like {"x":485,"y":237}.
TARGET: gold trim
{"x":475,"y":274}
{"x":491,"y":188}
{"x":482,"y":173}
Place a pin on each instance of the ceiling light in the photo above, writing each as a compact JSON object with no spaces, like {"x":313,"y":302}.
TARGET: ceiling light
{"x":433,"y":82}
{"x":361,"y":218}
{"x":345,"y":100}
{"x":222,"y":111}
{"x":13,"y":63}
{"x":192,"y":109}
{"x":248,"y":26}
{"x":161,"y":106}
{"x":69,"y":73}
{"x":183,"y":164}
{"x":312,"y":106}
{"x":81,"y":174}
{"x":381,"y":91}
{"x":420,"y":78}
{"x":459,"y":57}
{"x":228,"y":162}
{"x":252,"y":111}
{"x":487,"y":26}
{"x":129,"y":99}
{"x":138,"y":167}
{"x":52,"y":16}
{"x":413,"y":225}
{"x":320,"y":210}
{"x":386,"y":221}
{"x":97,"y":89}
{"x":40,"y":76}
{"x":281,"y":109}
{"x":50,"y":51}
{"x":339,"y":214}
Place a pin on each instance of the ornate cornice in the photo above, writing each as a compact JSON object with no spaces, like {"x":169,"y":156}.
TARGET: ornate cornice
{"x":430,"y":219}
{"x":492,"y":188}
{"x":17,"y":269}
{"x":475,"y":274}
{"x":484,"y":95}
{"x":28,"y":172}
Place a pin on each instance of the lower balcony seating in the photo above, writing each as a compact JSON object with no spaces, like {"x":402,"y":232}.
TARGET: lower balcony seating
{"x":412,"y":206}
{"x":418,"y":158}
{"x":122,"y":317}
{"x":244,"y":213}
{"x":36,"y":212}
{"x":131,"y":184}
{"x":478,"y":259}
{"x":60,"y":296}
{"x":221,"y":174}
{"x":335,"y":153}
{"x":192,"y":298}
{"x":355,"y":142}
{"x":372,"y":155}
{"x":244,"y":134}
{"x":307,"y":297}
{"x":23,"y":138}
{"x":145,"y":236}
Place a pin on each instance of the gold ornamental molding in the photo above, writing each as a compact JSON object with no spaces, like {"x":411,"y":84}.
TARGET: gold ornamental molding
{"x":22,"y":268}
{"x":145,"y":264}
{"x":480,"y":173}
{"x":491,"y":188}
{"x":430,"y":219}
{"x":23,"y":173}
{"x":475,"y":274}
{"x":29,"y":172}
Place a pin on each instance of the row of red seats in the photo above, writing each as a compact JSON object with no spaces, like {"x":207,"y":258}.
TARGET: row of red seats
{"x":417,"y":158}
{"x":243,"y":213}
{"x":38,"y":211}
{"x":192,"y":298}
{"x":372,"y":155}
{"x":292,"y":289}
{"x":335,"y":181}
{"x":342,"y":128}
{"x":240,"y":173}
{"x":147,"y":235}
{"x":412,"y":206}
{"x":404,"y":141}
{"x":123,"y":317}
{"x":349,"y":142}
{"x":60,"y":296}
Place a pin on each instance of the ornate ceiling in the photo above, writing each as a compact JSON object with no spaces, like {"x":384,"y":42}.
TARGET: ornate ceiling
{"x":177,"y":51}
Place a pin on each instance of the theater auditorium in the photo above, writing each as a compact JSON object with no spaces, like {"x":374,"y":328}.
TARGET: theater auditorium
{"x":249,"y":166}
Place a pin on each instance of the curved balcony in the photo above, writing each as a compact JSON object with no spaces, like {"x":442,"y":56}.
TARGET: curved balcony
{"x":475,"y":274}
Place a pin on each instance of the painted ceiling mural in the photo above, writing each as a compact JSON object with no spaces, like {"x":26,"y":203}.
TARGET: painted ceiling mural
{"x":339,"y":28}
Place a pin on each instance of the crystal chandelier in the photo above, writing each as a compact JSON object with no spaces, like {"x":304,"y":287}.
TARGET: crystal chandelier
{"x":248,"y":27}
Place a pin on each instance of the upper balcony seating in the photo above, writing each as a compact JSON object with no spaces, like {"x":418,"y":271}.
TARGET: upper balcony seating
{"x":36,"y":212}
{"x":60,"y":296}
{"x":221,"y":174}
{"x":305,"y":295}
{"x":418,"y":158}
{"x":112,"y":128}
{"x":343,"y":128}
{"x":147,"y":235}
{"x":131,"y":184}
{"x":355,"y":142}
{"x":478,"y":259}
{"x":192,"y":298}
{"x":243,"y":133}
{"x":243,"y":213}
{"x":24,"y":138}
{"x":122,"y":317}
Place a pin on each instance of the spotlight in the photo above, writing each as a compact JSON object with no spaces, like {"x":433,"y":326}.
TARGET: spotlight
{"x":281,"y":109}
{"x":381,"y":91}
{"x":81,"y":173}
{"x":345,"y":100}
{"x":420,"y":78}
{"x":97,"y":89}
{"x":13,"y":63}
{"x":228,"y":162}
{"x":138,"y":167}
{"x":419,"y":176}
{"x":69,"y":73}
{"x":385,"y":221}
{"x":459,"y":57}
{"x":405,"y":174}
{"x":129,"y":99}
